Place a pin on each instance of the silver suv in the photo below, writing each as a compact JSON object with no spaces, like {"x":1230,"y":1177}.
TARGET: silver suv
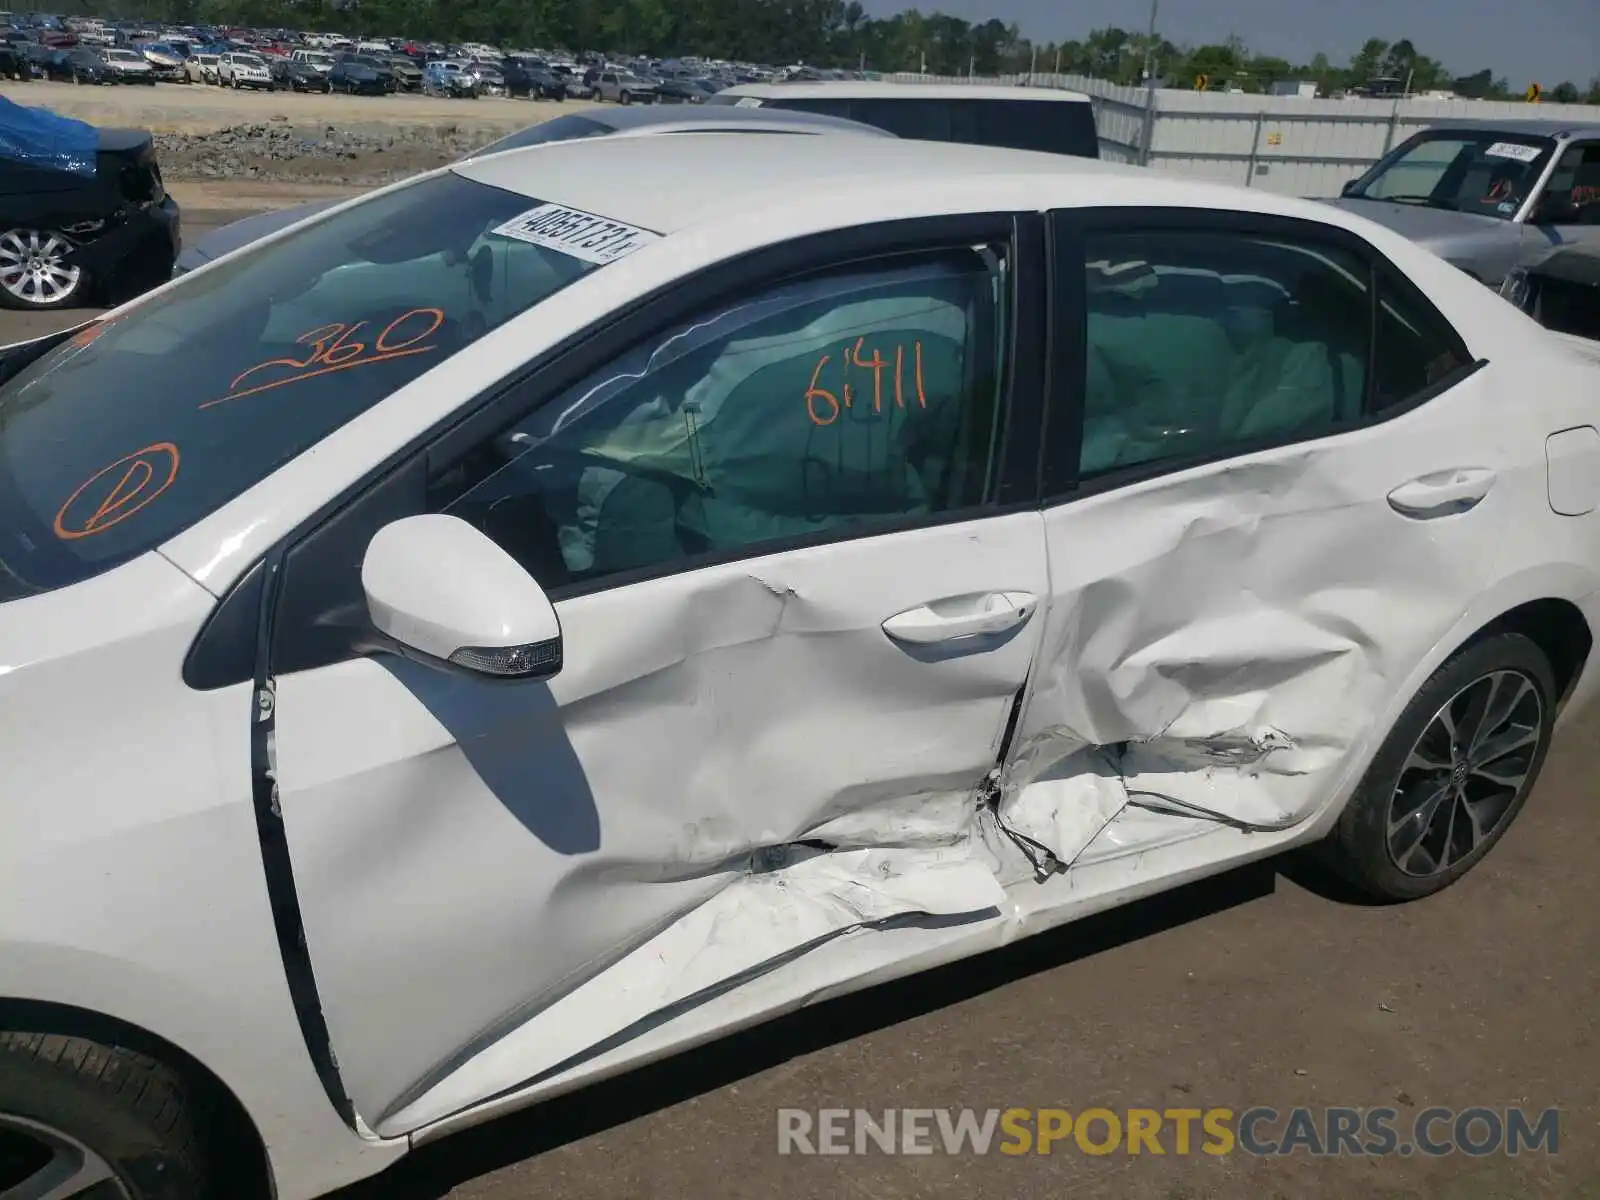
{"x":621,"y":87}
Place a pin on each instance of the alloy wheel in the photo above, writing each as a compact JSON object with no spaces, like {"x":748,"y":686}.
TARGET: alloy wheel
{"x":1465,"y":774}
{"x":32,"y":268}
{"x":41,"y":1163}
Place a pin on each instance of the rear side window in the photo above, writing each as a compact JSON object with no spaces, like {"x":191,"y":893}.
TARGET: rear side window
{"x":1200,"y":343}
{"x":1051,"y":126}
{"x":1414,"y":349}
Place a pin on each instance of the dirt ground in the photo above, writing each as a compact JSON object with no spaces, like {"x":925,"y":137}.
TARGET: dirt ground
{"x":201,"y":108}
{"x":1269,"y":986}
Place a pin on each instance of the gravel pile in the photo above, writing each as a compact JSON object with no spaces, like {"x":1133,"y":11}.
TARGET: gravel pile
{"x":280,"y":151}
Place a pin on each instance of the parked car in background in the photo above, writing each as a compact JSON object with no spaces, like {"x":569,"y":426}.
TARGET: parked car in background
{"x":1019,"y":118}
{"x":129,"y":66}
{"x":244,"y":70}
{"x":1562,"y":292}
{"x":407,"y":74}
{"x":103,"y":229}
{"x":14,"y":61}
{"x":636,"y":121}
{"x":318,"y":60}
{"x":166,"y":64}
{"x":86,"y":65}
{"x":490,"y":80}
{"x":621,"y":87}
{"x":1487,"y":196}
{"x":46,"y":62}
{"x":292,"y":75}
{"x":685,"y":91}
{"x":446,"y":77}
{"x":533,"y":82}
{"x":202,"y":67}
{"x":358,"y":75}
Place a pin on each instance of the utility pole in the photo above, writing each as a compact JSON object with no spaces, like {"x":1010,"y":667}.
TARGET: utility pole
{"x":1150,"y":47}
{"x":1149,"y":87}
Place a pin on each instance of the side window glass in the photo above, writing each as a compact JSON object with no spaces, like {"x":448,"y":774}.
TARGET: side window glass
{"x":1414,"y":349}
{"x":1049,"y":126}
{"x":834,"y":402}
{"x":1577,"y":178}
{"x":1200,"y":342}
{"x":927,"y":120}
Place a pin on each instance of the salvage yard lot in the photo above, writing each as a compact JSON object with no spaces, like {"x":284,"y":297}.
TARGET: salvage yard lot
{"x":197,"y":108}
{"x":1266,"y":987}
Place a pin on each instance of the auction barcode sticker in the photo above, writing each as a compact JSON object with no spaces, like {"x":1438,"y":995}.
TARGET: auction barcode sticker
{"x":1513,"y":150}
{"x":580,"y":234}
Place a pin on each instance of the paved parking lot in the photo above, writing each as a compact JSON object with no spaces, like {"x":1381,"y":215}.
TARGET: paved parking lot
{"x":1267,"y":987}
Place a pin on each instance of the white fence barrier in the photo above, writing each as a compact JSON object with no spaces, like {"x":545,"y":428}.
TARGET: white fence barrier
{"x":1283,"y":144}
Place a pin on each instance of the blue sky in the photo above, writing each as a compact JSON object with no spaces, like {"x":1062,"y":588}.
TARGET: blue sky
{"x":1547,"y":40}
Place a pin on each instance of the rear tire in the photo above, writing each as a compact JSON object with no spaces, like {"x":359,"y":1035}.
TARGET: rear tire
{"x":1452,"y":775}
{"x":96,"y":1120}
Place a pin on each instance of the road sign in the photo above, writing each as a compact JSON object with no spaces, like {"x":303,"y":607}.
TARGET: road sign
{"x":1202,"y":82}
{"x":1533,"y":93}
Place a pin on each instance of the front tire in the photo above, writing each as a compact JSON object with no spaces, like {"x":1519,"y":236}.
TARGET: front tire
{"x":32,"y":273}
{"x":1453,"y":773}
{"x":81,"y":1119}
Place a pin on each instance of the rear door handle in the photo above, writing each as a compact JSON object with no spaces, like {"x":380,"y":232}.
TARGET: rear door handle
{"x":1442,"y":493}
{"x":955,"y":617}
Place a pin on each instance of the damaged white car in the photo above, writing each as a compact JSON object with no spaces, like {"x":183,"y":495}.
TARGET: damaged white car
{"x":547,"y":622}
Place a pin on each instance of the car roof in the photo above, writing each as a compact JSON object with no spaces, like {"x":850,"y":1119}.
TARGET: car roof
{"x":681,"y":116}
{"x":861,"y":89}
{"x":696,"y":178}
{"x":1526,"y":126}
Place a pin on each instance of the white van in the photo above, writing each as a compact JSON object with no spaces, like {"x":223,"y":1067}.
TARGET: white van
{"x":1021,"y":118}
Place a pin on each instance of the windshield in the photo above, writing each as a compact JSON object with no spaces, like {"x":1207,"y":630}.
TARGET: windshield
{"x":134,"y":429}
{"x":1483,"y":172}
{"x":123,"y":56}
{"x":559,"y":129}
{"x":249,"y":60}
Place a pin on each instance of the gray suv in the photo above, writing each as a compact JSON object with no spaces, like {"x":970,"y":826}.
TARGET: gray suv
{"x":620,"y":87}
{"x":1487,"y":197}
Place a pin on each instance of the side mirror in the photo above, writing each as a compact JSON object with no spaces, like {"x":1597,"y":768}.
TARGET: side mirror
{"x":1349,"y":188}
{"x":449,"y":597}
{"x":1557,"y":209}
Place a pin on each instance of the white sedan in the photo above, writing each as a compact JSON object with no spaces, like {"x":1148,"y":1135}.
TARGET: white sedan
{"x":519,"y":624}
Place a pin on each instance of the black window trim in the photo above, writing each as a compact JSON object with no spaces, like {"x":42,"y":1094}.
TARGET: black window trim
{"x":215,"y":659}
{"x":1070,"y":229}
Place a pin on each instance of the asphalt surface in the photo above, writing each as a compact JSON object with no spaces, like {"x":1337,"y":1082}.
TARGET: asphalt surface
{"x":1268,"y":986}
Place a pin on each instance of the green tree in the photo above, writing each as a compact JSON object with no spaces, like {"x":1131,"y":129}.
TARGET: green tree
{"x":1565,"y":92}
{"x":1368,"y":62}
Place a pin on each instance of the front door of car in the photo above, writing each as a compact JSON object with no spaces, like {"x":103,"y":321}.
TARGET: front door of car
{"x":1576,"y":181}
{"x":794,"y":623}
{"x":1262,"y":516}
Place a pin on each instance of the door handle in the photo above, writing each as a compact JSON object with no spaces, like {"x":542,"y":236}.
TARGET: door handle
{"x":1442,"y":493}
{"x":954,"y":617}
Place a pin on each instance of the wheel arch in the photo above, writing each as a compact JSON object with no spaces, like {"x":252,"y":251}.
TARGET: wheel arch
{"x":1558,"y":627}
{"x":1546,"y":604}
{"x":226,"y":1124}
